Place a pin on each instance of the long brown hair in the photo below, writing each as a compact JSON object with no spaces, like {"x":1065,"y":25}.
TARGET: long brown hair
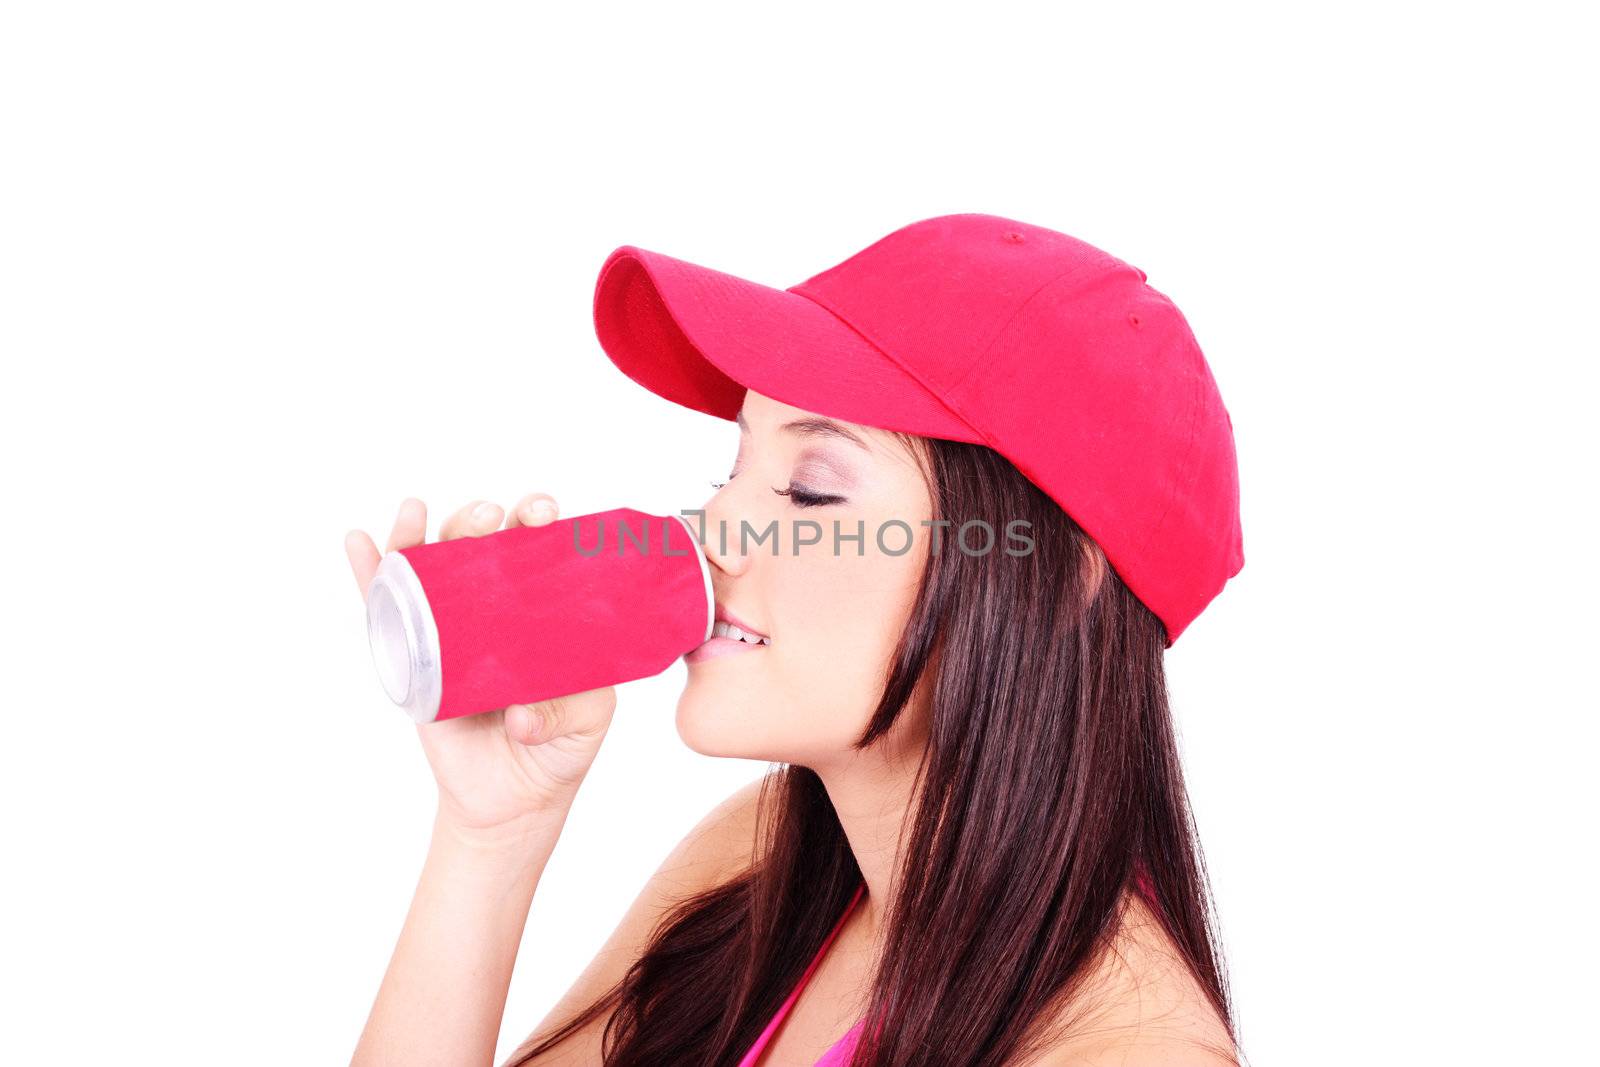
{"x":1050,"y":785}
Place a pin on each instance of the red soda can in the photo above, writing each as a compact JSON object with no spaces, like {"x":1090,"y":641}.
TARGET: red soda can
{"x":474,"y":624}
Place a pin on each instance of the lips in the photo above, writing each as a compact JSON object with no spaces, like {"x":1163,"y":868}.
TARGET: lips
{"x":730,"y":636}
{"x":727,"y":621}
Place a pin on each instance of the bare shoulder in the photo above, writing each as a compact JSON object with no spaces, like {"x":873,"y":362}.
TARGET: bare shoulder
{"x":716,"y":849}
{"x":720,"y":846}
{"x":1140,"y":1007}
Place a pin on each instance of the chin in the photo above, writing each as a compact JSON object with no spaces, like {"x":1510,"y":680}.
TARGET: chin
{"x":721,"y":724}
{"x":714,"y":727}
{"x":753,"y":729}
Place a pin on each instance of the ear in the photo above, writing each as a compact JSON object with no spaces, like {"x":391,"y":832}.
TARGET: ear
{"x":1095,"y":567}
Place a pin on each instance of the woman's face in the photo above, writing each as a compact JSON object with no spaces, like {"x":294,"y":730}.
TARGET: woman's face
{"x":832,"y":611}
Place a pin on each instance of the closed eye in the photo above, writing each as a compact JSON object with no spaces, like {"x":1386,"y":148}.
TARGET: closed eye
{"x":802,"y":498}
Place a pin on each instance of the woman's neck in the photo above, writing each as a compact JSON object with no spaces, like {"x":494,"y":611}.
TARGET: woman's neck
{"x":872,"y":792}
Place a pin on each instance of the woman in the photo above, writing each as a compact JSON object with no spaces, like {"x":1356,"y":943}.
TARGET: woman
{"x":977,"y":849}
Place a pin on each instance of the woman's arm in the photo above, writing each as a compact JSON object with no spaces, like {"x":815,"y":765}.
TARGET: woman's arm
{"x":506,"y":781}
{"x":443,"y":995}
{"x":718,"y":848}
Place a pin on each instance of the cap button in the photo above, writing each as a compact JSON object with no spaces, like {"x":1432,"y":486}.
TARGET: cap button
{"x":1014,"y":237}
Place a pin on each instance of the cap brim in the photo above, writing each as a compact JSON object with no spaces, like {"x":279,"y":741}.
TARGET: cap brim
{"x":700,"y":338}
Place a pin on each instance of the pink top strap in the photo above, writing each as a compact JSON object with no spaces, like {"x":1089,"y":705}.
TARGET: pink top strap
{"x":841,"y":1050}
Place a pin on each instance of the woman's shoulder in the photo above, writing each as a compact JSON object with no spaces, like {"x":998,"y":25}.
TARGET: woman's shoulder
{"x":1140,"y":1007}
{"x":718,"y":847}
{"x":714,"y":850}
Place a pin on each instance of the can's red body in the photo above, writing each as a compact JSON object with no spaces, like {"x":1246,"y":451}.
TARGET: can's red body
{"x":531,"y":613}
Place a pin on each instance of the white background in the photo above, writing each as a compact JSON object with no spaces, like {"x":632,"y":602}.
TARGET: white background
{"x":266,"y":270}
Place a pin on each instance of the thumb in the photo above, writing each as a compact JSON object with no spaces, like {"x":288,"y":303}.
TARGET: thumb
{"x":523,"y":725}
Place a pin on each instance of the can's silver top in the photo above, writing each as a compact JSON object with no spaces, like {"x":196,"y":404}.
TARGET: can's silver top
{"x":705,"y":572}
{"x":404,"y":639}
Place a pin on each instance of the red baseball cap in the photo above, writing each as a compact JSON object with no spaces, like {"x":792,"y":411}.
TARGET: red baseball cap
{"x":982,"y":329}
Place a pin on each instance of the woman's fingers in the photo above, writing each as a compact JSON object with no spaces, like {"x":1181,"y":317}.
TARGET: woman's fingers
{"x":535,"y":509}
{"x":560,"y":716}
{"x":410,"y":525}
{"x":477,"y":518}
{"x":411,"y":528}
{"x":363,"y":556}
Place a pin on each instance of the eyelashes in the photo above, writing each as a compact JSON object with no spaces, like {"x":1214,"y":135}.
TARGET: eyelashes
{"x":802,"y":498}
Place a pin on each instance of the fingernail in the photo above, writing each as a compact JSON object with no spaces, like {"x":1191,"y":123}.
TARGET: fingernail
{"x":543,"y":509}
{"x":483,"y":512}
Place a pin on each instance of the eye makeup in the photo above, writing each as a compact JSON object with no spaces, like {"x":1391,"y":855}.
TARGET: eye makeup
{"x":799,"y":495}
{"x":823,"y":465}
{"x":805,"y":499}
{"x":817,"y":465}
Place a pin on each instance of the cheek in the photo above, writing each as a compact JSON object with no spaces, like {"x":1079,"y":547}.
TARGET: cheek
{"x":838,"y":620}
{"x":844,"y":616}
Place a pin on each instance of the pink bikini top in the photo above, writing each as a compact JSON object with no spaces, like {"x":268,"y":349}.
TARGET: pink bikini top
{"x":843,"y":1048}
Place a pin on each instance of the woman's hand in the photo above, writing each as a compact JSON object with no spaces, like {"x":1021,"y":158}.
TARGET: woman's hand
{"x":498,"y":771}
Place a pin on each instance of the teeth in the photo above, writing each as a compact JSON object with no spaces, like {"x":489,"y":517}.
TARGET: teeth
{"x":722,"y":629}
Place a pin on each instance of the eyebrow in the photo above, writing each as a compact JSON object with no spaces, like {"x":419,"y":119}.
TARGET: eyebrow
{"x":813,"y":428}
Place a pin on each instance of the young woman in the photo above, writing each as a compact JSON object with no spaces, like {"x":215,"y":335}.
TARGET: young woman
{"x":977,"y":848}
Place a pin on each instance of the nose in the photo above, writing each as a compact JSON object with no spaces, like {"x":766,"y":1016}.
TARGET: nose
{"x":720,"y":539}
